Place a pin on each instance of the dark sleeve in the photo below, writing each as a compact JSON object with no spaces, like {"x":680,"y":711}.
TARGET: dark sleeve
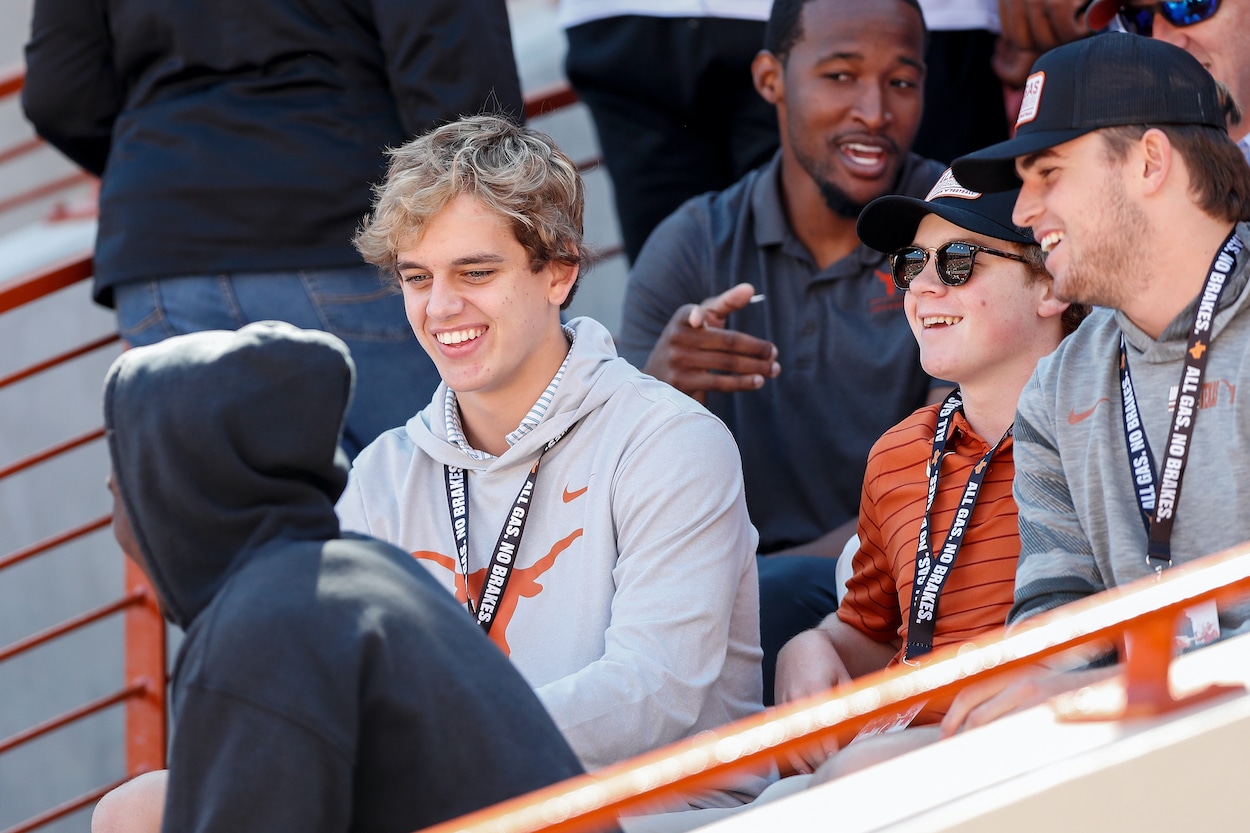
{"x":672,"y":269}
{"x":448,"y":59}
{"x":72,"y":93}
{"x":237,"y":765}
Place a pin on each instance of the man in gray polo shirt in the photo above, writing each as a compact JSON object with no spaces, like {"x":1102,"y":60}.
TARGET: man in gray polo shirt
{"x":811,"y":375}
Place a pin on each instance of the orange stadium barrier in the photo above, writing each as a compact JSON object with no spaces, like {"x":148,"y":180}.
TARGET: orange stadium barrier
{"x":142,"y":693}
{"x":1142,"y":616}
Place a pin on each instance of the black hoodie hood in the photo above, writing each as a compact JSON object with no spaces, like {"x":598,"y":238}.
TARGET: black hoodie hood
{"x":222,"y":442}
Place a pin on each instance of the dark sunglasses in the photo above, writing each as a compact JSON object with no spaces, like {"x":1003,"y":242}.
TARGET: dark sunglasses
{"x":1139,"y":20}
{"x":954,"y":262}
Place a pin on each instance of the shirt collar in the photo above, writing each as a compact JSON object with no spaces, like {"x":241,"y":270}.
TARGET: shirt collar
{"x":771,"y":227}
{"x":455,"y":428}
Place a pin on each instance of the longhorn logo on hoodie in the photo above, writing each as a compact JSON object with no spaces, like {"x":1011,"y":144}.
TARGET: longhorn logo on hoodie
{"x":523,"y":584}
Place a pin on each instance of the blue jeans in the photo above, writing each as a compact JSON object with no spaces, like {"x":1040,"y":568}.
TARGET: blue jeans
{"x":796,"y":593}
{"x":394,"y":376}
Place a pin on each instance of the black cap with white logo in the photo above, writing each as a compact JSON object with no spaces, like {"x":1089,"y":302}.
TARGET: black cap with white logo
{"x":889,"y":223}
{"x":1103,"y":81}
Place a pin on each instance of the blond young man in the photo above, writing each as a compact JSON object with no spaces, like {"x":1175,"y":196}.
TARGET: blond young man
{"x":588,"y":516}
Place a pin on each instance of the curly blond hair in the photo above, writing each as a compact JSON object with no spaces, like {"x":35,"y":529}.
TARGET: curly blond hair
{"x":514,"y":171}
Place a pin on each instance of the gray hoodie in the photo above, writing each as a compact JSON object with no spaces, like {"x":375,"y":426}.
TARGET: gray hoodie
{"x":633,"y":606}
{"x":1080,"y":528}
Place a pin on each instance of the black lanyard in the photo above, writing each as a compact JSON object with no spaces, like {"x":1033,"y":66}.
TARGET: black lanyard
{"x":931,"y":577}
{"x":1158,"y":495}
{"x":504,"y":557}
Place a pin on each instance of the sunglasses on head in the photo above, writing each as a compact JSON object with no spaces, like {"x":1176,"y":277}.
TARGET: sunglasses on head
{"x":1139,"y":20}
{"x":954,"y":262}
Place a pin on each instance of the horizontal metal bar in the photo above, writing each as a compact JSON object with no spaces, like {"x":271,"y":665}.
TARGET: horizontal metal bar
{"x":50,"y":452}
{"x":23,"y":290}
{"x":549,"y":99}
{"x":38,"y":731}
{"x":59,"y":359}
{"x":71,"y":625}
{"x":21,"y":149}
{"x":61,"y":810}
{"x":55,"y":541}
{"x":11,"y":80}
{"x":45,"y":190}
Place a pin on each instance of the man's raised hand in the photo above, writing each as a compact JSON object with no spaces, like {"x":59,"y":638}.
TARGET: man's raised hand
{"x":696,"y":354}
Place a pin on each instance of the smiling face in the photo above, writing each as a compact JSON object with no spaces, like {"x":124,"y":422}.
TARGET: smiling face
{"x":993,"y":327}
{"x":490,"y":323}
{"x":1220,"y":44}
{"x":849,"y":96}
{"x":1074,"y":199}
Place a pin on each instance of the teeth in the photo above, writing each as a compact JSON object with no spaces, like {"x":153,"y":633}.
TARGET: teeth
{"x":864,"y":154}
{"x":459,"y":336}
{"x":935,"y":320}
{"x":1050,"y":241}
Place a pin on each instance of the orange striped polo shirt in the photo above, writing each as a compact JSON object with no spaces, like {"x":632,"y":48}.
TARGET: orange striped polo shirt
{"x":978,"y":591}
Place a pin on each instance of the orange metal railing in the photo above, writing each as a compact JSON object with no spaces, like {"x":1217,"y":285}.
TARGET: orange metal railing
{"x":142,"y":692}
{"x":11,"y":80}
{"x":1140,"y":617}
{"x":143,"y":686}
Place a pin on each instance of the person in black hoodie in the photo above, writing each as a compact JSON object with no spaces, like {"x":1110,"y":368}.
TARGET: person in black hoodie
{"x":326,"y":682}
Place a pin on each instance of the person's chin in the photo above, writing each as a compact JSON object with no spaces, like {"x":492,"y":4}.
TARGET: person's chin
{"x":847,"y":197}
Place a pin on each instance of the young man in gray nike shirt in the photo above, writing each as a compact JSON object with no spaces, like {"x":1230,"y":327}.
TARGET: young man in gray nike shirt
{"x":1136,"y":192}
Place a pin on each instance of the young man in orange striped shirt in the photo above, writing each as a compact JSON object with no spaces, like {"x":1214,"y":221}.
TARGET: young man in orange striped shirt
{"x":938,"y":544}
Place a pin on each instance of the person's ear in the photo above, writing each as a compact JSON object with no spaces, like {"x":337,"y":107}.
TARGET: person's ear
{"x":1048,"y":306}
{"x":769,"y":75}
{"x":1154,"y":149}
{"x":562,"y":278}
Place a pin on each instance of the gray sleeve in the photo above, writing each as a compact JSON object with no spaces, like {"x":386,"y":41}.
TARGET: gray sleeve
{"x":1056,"y":559}
{"x":672,"y":269}
{"x":687,"y":598}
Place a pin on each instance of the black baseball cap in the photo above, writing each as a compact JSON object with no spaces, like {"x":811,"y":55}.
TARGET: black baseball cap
{"x":889,"y":223}
{"x":1103,"y":81}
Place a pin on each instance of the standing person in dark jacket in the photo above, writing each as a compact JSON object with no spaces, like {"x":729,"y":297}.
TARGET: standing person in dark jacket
{"x":327,"y":682}
{"x":236,"y":142}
